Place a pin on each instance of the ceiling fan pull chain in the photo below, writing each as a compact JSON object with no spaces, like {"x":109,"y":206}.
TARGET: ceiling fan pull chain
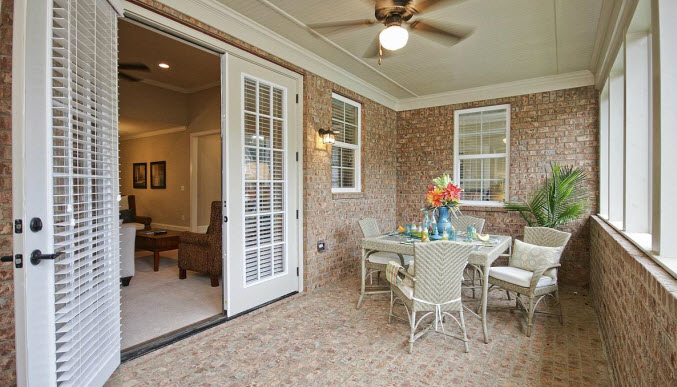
{"x":380,"y":53}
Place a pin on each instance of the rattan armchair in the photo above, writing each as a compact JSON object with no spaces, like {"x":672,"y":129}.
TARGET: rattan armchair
{"x":202,"y":252}
{"x":438,"y":274}
{"x":537,"y":284}
{"x":377,"y":261}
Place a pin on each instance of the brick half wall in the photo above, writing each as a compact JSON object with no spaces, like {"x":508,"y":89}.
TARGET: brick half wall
{"x":636,"y":302}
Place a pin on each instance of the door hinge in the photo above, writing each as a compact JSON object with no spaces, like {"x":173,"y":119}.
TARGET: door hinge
{"x":18,"y":226}
{"x":297,"y":214}
{"x":297,"y":271}
{"x":297,"y":156}
{"x":297,"y":98}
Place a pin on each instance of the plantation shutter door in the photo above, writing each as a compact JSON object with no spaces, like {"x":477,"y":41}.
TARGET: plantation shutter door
{"x":72,"y":301}
{"x":262,"y":182}
{"x":85,"y":190}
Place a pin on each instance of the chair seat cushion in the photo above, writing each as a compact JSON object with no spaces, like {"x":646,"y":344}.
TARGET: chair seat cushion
{"x":518,"y":276}
{"x":383,"y":258}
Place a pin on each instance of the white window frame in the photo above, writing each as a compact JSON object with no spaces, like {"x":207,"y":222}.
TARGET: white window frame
{"x":458,"y":158}
{"x":357,"y":148}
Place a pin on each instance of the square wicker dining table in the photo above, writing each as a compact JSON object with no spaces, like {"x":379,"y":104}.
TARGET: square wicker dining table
{"x":482,"y":256}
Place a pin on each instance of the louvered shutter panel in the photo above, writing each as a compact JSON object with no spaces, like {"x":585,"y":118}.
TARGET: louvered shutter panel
{"x":85,"y":190}
{"x":264,"y":180}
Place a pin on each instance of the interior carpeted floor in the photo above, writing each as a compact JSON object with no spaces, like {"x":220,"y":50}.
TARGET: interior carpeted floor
{"x":319,"y":338}
{"x":159,"y":302}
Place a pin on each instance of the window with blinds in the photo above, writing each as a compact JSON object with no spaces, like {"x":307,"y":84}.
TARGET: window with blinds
{"x":345,"y":153}
{"x":481,"y":153}
{"x":264,"y":180}
{"x":85,"y":188}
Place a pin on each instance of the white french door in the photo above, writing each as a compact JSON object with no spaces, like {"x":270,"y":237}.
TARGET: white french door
{"x":65,"y":191}
{"x":261,"y":183}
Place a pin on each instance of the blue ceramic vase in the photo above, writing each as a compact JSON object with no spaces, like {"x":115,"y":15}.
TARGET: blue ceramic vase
{"x":443,"y":223}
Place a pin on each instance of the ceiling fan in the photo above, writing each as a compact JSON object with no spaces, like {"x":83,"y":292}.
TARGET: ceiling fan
{"x":131,"y":66}
{"x":396,"y":13}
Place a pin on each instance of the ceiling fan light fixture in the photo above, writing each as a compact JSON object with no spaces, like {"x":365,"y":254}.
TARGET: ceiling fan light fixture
{"x":393,"y":37}
{"x":163,"y":65}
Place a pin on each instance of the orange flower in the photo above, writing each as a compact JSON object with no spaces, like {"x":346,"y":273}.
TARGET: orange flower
{"x":434,"y":197}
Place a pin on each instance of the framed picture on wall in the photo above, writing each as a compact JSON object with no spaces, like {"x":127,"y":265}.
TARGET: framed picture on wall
{"x":139,"y":176}
{"x":158,"y":175}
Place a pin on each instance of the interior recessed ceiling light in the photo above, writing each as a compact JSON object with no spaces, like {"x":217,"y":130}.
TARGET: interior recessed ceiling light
{"x":164,"y":65}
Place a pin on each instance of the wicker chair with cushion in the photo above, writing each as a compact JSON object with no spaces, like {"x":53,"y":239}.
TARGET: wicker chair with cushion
{"x":202,"y":252}
{"x":377,"y":260}
{"x":461,"y":224}
{"x":532,"y":269}
{"x":438,"y":272}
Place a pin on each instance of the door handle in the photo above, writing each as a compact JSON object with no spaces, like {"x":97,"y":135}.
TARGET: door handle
{"x":37,"y":256}
{"x":7,"y":258}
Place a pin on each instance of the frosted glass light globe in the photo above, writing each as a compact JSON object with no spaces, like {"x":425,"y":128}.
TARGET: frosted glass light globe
{"x":393,"y":38}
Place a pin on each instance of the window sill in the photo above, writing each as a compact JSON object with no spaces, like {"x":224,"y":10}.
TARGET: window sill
{"x":347,"y":195}
{"x":643,"y":242}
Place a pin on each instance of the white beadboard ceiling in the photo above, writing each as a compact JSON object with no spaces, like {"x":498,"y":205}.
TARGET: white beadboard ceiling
{"x":513,"y":40}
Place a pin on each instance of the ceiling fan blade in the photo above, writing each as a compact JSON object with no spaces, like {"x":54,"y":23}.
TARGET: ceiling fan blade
{"x":426,"y":5}
{"x":343,"y":24}
{"x":128,"y":77}
{"x":450,"y":34}
{"x":135,"y":66}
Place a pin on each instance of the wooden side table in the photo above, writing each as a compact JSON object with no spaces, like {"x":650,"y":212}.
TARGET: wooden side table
{"x":156,"y":244}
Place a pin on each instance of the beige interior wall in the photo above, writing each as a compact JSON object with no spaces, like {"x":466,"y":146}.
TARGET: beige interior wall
{"x":208,"y":176}
{"x":198,"y":112}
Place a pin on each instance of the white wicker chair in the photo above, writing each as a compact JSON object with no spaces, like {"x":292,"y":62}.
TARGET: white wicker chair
{"x":377,"y":261}
{"x":436,"y":288}
{"x":461,"y":223}
{"x":534,"y":285}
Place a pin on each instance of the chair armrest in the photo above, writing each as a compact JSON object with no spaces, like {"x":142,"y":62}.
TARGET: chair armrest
{"x":538,"y":273}
{"x":143,"y":220}
{"x":406,"y":274}
{"x":194,"y":238}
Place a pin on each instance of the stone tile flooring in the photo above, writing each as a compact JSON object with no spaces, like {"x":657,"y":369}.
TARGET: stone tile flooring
{"x":319,"y":338}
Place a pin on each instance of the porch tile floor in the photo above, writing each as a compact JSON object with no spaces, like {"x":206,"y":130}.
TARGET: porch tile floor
{"x":319,"y":338}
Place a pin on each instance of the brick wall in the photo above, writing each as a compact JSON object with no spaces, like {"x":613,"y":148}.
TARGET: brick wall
{"x":552,"y":126}
{"x":7,"y":360}
{"x":333,"y":218}
{"x":636,"y":302}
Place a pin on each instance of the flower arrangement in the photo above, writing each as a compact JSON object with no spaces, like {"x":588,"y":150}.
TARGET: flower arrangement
{"x":443,"y":193}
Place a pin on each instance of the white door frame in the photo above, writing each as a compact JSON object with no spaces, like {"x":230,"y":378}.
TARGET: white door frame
{"x":190,"y":34}
{"x":194,"y":227}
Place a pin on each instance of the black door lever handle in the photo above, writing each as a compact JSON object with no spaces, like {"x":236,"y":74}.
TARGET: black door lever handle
{"x":37,"y":256}
{"x":7,"y":258}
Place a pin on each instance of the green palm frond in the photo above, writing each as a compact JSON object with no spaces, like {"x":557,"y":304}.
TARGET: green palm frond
{"x":562,"y":197}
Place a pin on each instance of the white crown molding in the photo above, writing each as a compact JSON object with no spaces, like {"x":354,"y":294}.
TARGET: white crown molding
{"x":501,"y":90}
{"x":154,"y":133}
{"x":227,"y":20}
{"x":180,"y":89}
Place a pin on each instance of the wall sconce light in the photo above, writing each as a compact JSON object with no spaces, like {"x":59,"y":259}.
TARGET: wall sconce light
{"x":328,"y":136}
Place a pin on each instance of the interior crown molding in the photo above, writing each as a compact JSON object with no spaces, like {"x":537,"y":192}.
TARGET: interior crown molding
{"x":153,"y":133}
{"x":501,"y":90}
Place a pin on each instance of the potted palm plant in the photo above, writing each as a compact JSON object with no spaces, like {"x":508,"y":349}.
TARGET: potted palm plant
{"x":563,"y":197}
